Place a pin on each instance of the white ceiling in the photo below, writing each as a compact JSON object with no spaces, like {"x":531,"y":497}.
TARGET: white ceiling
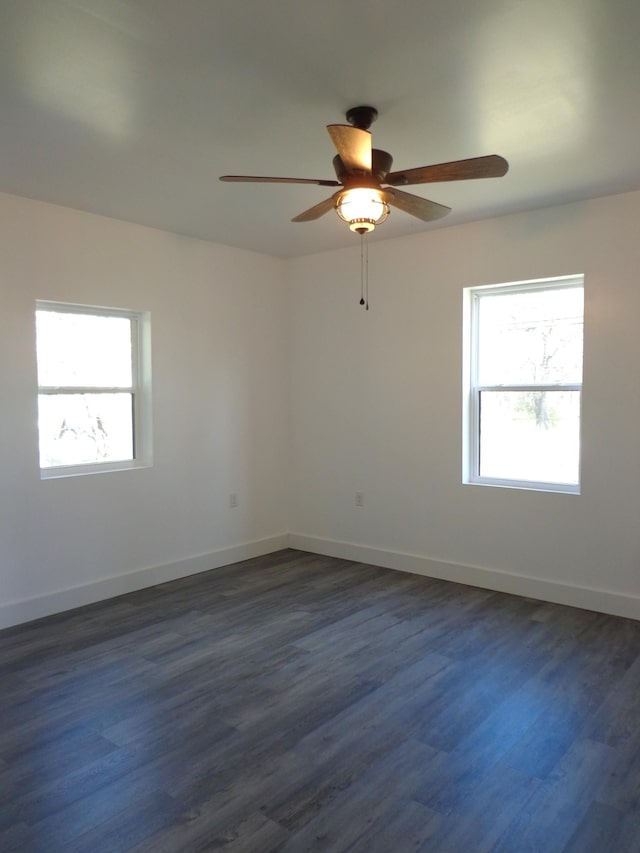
{"x":133,"y":108}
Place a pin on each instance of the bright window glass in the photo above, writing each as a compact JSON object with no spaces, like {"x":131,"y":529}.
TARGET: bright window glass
{"x":530,"y":435}
{"x":530,"y":337}
{"x":84,"y":429}
{"x":84,"y":349}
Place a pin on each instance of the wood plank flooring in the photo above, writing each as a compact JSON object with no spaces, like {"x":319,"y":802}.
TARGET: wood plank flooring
{"x":302,"y":703}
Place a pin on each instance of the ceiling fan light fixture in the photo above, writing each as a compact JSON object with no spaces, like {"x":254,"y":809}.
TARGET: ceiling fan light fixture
{"x":362,"y":208}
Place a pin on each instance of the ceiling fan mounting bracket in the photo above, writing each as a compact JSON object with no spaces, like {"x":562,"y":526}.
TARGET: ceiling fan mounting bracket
{"x":362,"y":117}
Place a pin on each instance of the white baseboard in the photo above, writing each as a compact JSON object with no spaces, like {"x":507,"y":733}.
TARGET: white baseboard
{"x":586,"y":598}
{"x":45,"y":605}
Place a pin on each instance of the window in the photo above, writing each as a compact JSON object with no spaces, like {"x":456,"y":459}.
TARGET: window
{"x":523,"y":384}
{"x":93,"y":388}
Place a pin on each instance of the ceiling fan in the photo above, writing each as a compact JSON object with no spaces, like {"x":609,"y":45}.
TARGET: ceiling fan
{"x":362,"y":201}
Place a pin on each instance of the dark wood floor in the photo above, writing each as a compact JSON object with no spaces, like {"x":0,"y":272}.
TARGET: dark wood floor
{"x":301,"y":703}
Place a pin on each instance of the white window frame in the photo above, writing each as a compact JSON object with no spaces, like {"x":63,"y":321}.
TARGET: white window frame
{"x":472,"y":389}
{"x":140,"y":389}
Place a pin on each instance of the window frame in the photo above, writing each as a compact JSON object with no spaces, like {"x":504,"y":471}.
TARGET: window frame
{"x":472,"y":389}
{"x":140,"y":390}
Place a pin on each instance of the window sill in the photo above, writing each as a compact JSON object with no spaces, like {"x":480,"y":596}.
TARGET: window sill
{"x":84,"y":470}
{"x":523,"y":485}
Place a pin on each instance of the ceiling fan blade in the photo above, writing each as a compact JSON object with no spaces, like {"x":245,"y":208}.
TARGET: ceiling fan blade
{"x":353,"y":145}
{"x":416,"y":206}
{"x":492,"y":166}
{"x":316,"y":211}
{"x":256,"y":179}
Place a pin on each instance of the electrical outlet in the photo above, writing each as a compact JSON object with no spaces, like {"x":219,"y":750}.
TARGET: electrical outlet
{"x":233,"y":500}
{"x":359,"y":498}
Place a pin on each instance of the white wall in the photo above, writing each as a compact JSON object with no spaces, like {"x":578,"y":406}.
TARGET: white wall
{"x":220,"y":411}
{"x":376,"y":406}
{"x":264,"y":369}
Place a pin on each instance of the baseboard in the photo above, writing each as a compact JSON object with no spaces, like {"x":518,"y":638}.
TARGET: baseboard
{"x":45,"y":605}
{"x":586,"y":598}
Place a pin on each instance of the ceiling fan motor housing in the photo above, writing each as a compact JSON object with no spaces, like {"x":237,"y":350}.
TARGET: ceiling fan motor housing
{"x":362,"y":117}
{"x":381,"y":162}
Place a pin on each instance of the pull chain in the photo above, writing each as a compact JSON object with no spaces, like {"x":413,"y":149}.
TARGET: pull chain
{"x":364,"y":271}
{"x":362,"y":268}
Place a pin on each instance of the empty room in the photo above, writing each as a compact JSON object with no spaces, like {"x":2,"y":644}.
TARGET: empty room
{"x":320,"y":505}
